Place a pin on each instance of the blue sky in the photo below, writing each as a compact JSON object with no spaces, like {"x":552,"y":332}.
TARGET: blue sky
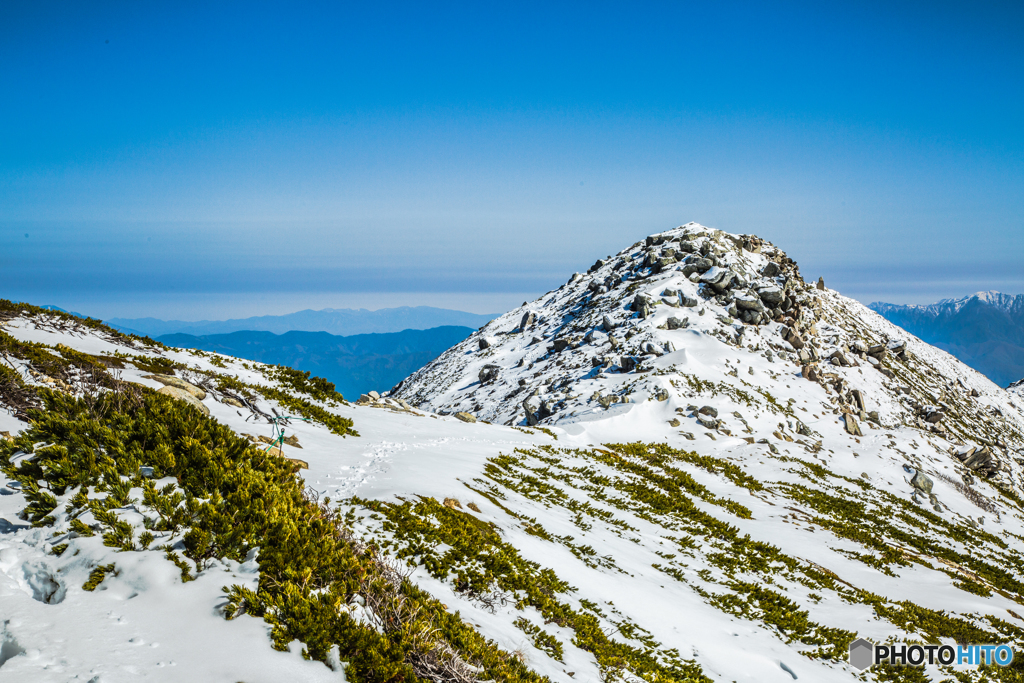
{"x":221,"y":159}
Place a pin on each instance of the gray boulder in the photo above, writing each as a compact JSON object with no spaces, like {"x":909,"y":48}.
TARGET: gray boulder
{"x":559,"y":345}
{"x":771,"y":296}
{"x":639,"y":301}
{"x":852,"y":428}
{"x":791,"y":336}
{"x":746,"y":302}
{"x":708,"y":421}
{"x":664,"y":263}
{"x":718,"y":277}
{"x":652,"y":349}
{"x":922,"y":482}
{"x":979,"y":460}
{"x":696,"y":265}
{"x":488,"y":373}
{"x":677,"y":323}
{"x":531,"y":406}
{"x":840,"y":359}
{"x":750,"y":317}
{"x":642,"y":305}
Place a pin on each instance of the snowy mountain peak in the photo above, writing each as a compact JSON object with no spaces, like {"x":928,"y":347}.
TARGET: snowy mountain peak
{"x":633,"y":312}
{"x":698,"y":468}
{"x":686,"y":307}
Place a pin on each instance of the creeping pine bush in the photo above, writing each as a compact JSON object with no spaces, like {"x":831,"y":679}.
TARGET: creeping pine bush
{"x":479,"y":565}
{"x":231,"y":498}
{"x":315,"y":387}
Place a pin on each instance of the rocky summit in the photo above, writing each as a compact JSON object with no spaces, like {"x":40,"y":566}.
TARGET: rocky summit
{"x":686,"y":464}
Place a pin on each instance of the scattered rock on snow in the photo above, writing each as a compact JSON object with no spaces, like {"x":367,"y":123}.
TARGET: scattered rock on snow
{"x":674,"y":323}
{"x":488,"y":373}
{"x":922,"y":482}
{"x":851,"y":425}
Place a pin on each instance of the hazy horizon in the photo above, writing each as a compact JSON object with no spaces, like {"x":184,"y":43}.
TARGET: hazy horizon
{"x":201,"y":161}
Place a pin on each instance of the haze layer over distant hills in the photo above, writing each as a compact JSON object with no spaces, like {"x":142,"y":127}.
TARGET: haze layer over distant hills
{"x":338,"y":321}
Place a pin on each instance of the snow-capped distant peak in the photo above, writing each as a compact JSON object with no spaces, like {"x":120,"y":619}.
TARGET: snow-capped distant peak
{"x":1008,"y":302}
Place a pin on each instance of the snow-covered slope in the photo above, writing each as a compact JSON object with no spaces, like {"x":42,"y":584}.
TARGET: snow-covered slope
{"x":638,"y":499}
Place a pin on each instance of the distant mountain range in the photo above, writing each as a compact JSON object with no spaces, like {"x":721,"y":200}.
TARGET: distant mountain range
{"x":984,"y":330}
{"x":337,"y":321}
{"x":356,"y":364}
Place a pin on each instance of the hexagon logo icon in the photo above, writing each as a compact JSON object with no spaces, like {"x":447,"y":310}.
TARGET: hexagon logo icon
{"x":862,"y":654}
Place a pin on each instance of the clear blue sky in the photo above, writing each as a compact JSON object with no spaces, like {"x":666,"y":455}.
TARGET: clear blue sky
{"x":216,"y":159}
